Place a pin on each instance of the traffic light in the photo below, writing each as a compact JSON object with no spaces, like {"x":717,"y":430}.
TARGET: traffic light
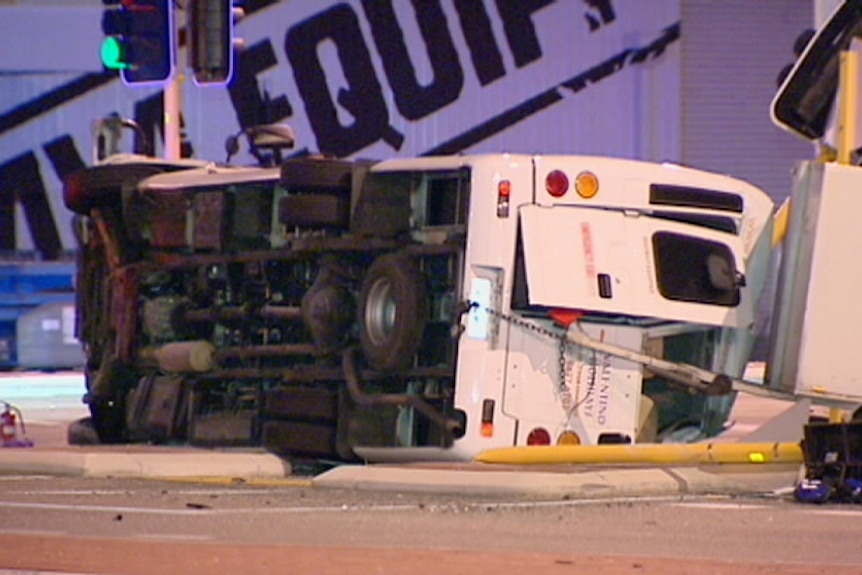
{"x":139,"y":40}
{"x":210,"y":32}
{"x":114,"y":27}
{"x":798,"y":48}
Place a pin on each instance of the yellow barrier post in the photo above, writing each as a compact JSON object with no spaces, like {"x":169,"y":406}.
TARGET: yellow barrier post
{"x":648,"y":453}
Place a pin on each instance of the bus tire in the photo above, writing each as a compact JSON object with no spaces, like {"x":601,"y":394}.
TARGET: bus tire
{"x":392,"y":312}
{"x":82,"y":432}
{"x":107,"y":407}
{"x":108,"y":419}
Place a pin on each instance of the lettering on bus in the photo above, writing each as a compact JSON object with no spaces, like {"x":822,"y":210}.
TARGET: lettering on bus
{"x":597,"y":396}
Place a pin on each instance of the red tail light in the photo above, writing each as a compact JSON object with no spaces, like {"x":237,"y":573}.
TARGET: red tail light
{"x":557,"y":183}
{"x":504,"y":191}
{"x":539,"y":436}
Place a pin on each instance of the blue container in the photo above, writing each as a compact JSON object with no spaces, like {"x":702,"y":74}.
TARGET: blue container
{"x":24,"y":286}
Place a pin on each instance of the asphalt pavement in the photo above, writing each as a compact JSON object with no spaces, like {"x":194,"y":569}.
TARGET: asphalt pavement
{"x":48,"y":402}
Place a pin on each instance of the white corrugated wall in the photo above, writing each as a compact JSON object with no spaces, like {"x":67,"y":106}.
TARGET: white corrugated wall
{"x":732,"y":52}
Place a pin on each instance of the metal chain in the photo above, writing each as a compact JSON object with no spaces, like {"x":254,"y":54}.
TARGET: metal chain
{"x":562,"y":361}
{"x":560,"y":337}
{"x":525,"y":324}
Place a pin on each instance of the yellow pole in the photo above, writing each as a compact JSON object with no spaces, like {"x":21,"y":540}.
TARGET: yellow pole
{"x":647,"y":453}
{"x":848,"y":105}
{"x":780,"y":219}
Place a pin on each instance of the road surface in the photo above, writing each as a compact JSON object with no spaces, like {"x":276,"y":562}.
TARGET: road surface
{"x":149,"y":527}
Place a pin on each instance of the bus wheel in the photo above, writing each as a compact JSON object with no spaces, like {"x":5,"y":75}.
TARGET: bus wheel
{"x":107,"y":411}
{"x":82,"y":432}
{"x":108,"y":420}
{"x":392,"y":312}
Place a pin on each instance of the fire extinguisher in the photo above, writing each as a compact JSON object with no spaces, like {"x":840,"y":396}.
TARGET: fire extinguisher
{"x":10,"y":419}
{"x":8,"y":426}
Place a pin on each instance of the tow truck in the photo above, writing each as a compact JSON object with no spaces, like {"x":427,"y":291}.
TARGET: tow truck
{"x":433,"y":308}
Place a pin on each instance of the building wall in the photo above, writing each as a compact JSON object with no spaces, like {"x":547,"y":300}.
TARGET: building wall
{"x":732,"y":52}
{"x":645,"y":79}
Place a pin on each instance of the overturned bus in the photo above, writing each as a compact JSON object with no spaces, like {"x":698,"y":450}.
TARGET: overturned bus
{"x":424,"y":308}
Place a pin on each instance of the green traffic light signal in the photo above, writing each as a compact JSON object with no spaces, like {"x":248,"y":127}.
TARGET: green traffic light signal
{"x":114,"y":53}
{"x":139,"y":40}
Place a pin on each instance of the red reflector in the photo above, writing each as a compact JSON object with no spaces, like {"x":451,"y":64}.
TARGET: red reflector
{"x":487,"y":430}
{"x":504,"y":190}
{"x":539,"y":436}
{"x":557,"y":183}
{"x":566,"y":317}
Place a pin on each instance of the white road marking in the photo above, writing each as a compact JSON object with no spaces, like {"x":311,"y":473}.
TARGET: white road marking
{"x":39,"y":532}
{"x":587,"y":502}
{"x":722,"y":506}
{"x":851,"y":511}
{"x":204,"y":510}
{"x":838,"y":512}
{"x":103,"y":492}
{"x":718,"y":503}
{"x":100,"y":508}
{"x":24,"y":478}
{"x":171,"y":537}
{"x":195,"y":510}
{"x":31,"y":572}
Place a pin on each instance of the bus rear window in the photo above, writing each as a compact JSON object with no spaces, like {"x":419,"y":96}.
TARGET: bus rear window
{"x":695,"y":270}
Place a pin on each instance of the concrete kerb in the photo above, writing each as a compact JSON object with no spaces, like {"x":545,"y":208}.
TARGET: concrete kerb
{"x":199,"y":464}
{"x":143,"y":464}
{"x":582,"y":484}
{"x":26,"y":461}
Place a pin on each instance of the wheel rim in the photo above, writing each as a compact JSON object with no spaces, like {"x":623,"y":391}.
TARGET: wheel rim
{"x":380,"y":311}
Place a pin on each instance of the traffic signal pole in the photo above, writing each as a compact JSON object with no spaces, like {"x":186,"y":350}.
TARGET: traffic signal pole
{"x":142,"y":42}
{"x":172,"y":96}
{"x":209,"y":53}
{"x":171,"y":119}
